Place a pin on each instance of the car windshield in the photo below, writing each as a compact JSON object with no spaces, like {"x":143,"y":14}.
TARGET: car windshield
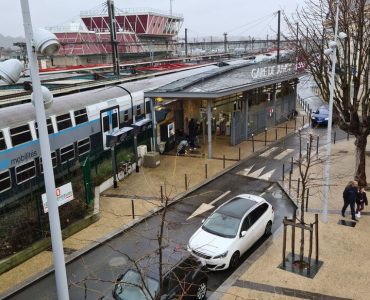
{"x":132,"y":287}
{"x":222,"y":225}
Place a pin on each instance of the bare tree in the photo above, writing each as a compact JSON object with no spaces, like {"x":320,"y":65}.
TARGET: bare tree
{"x":312,"y":28}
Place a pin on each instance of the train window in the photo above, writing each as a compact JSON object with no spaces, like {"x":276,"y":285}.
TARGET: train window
{"x":105,"y":124}
{"x":125,"y":116}
{"x":2,"y":141}
{"x":114,"y":120}
{"x":147,"y":107}
{"x":20,"y":135}
{"x":5,"y":181}
{"x":50,"y":127}
{"x":67,"y":153}
{"x":138,"y":110}
{"x":83,"y":146}
{"x":80,"y":116}
{"x":25,"y":172}
{"x":64,"y":121}
{"x":53,"y":161}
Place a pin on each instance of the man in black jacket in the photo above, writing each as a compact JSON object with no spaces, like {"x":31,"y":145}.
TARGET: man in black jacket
{"x":350,"y":195}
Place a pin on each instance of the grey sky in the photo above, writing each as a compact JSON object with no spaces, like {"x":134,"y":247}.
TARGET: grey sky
{"x":202,"y":17}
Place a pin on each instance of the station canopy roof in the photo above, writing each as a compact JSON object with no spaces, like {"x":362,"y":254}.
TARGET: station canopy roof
{"x":231,"y":78}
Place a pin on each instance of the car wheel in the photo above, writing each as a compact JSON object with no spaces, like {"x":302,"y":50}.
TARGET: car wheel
{"x":201,"y":290}
{"x":234,"y":260}
{"x":268,"y":228}
{"x":313,"y":124}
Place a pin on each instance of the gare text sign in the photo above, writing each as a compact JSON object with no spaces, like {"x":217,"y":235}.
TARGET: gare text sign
{"x":272,"y":70}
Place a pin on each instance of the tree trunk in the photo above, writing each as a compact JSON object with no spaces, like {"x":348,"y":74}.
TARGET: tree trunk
{"x":360,"y":166}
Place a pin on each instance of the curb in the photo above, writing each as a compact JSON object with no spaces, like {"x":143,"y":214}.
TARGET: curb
{"x":26,"y":283}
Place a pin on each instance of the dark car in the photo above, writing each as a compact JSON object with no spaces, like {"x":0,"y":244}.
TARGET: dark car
{"x":320,"y":116}
{"x":184,"y":280}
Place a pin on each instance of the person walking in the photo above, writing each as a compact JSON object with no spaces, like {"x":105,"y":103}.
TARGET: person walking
{"x":350,"y":195}
{"x":361,"y":201}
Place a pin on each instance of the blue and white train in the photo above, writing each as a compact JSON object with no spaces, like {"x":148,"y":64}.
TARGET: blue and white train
{"x":76,"y":124}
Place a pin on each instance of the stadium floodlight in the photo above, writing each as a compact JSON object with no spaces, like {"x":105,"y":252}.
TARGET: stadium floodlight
{"x":45,"y":42}
{"x":47,"y":97}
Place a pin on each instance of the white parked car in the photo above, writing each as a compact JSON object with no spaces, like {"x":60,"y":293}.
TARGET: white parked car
{"x":231,"y":230}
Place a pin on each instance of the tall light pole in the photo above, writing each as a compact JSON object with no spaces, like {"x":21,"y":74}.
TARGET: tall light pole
{"x":55,"y":230}
{"x":333,"y":52}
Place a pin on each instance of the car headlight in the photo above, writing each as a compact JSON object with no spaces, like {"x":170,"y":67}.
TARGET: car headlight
{"x":222,"y":255}
{"x":312,"y":117}
{"x":326,"y":119}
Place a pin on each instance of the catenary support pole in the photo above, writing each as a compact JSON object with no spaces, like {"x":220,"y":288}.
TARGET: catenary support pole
{"x":55,"y":229}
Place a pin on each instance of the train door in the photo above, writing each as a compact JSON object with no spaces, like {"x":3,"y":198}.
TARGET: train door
{"x":109,"y":122}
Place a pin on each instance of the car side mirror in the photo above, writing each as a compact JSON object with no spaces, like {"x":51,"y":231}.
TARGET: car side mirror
{"x":203,"y":221}
{"x":243,"y":234}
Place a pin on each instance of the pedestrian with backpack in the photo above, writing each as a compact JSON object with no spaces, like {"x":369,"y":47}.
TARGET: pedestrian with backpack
{"x":350,"y":195}
{"x":361,"y":201}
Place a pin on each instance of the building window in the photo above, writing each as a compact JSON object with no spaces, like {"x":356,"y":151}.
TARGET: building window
{"x":67,"y":153}
{"x":80,"y":116}
{"x":20,"y":135}
{"x":49,"y":125}
{"x":5,"y":181}
{"x":25,"y":172}
{"x":2,"y":141}
{"x":64,"y":121}
{"x":53,"y":161}
{"x":83,"y":146}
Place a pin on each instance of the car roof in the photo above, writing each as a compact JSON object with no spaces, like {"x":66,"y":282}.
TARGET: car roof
{"x":239,"y":205}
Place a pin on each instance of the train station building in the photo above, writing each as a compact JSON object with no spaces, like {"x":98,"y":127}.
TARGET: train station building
{"x":235,"y":102}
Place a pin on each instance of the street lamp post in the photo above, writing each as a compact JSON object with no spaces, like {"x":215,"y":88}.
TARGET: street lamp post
{"x":333,"y":52}
{"x":55,"y":229}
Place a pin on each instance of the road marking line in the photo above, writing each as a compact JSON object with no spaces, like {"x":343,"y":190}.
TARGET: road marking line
{"x":270,"y":188}
{"x":268,"y":152}
{"x":283,"y":154}
{"x":262,"y":194}
{"x":246,"y":171}
{"x":220,"y":197}
{"x":207,"y":206}
{"x":257,"y":173}
{"x":267,"y":175}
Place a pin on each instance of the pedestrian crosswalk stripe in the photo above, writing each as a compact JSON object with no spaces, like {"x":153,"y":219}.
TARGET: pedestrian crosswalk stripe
{"x":267,"y":175}
{"x":283,"y":154}
{"x":268,"y":152}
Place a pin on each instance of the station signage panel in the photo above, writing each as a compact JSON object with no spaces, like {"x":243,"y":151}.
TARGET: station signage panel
{"x":64,"y":194}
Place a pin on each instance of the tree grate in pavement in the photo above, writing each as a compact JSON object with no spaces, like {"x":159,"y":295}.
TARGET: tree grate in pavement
{"x":291,"y":265}
{"x":284,"y":291}
{"x":347,"y":223}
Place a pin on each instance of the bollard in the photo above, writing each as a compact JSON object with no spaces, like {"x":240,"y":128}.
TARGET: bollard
{"x":239,"y":153}
{"x":286,"y":128}
{"x":265,"y":136}
{"x":298,"y":184}
{"x":317,"y":145}
{"x":308,"y":193}
{"x":291,"y":165}
{"x":186,"y":182}
{"x":276,"y":133}
{"x":295,"y":124}
{"x":133,"y":209}
{"x":309,"y":118}
{"x":283,"y":172}
{"x":161,"y":194}
{"x":347,"y":135}
{"x":317,"y":236}
{"x":308,"y":108}
{"x":252,"y":142}
{"x":308,"y":150}
{"x":290,"y":182}
{"x":303,"y":121}
{"x":335,"y":136}
{"x":206,"y":170}
{"x":223,"y":160}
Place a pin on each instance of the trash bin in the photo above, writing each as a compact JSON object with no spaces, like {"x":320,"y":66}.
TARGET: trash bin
{"x":151,"y":160}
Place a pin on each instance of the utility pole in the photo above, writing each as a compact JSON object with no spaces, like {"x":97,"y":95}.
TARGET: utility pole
{"x":113,"y":37}
{"x":225,"y":42}
{"x":278,"y":39}
{"x":186,"y":42}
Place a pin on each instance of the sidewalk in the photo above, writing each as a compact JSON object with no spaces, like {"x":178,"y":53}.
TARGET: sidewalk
{"x":343,"y":250}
